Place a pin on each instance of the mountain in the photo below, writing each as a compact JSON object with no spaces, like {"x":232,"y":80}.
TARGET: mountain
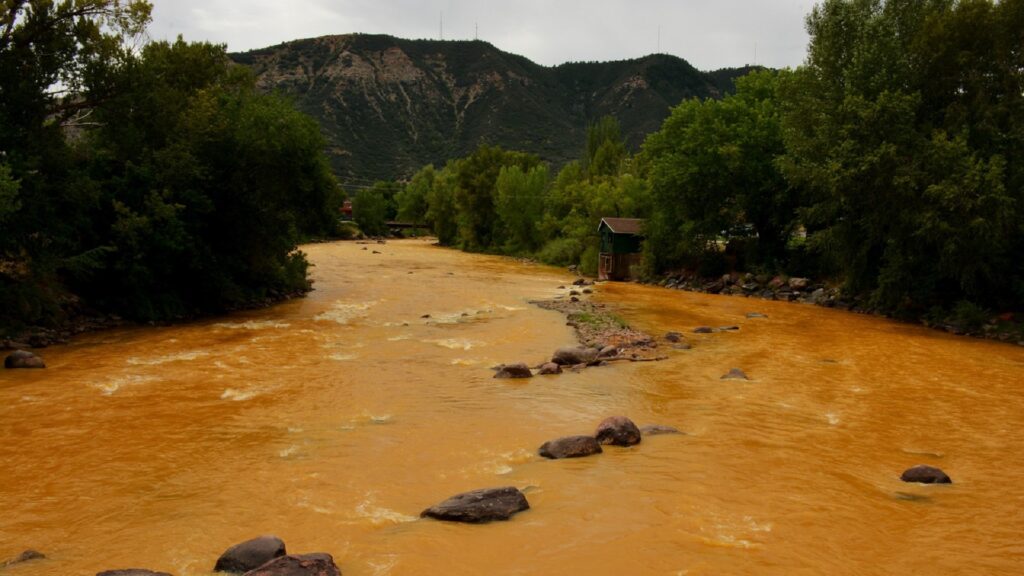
{"x":389,"y":106}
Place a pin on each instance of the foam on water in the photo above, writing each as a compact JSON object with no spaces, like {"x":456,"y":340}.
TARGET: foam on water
{"x":240,"y":395}
{"x":455,"y":343}
{"x":378,"y":515}
{"x":109,"y":387}
{"x":179,"y":357}
{"x":343,"y":357}
{"x":253,"y":325}
{"x":343,"y":313}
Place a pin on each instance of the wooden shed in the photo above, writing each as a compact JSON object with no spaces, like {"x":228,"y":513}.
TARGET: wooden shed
{"x":621,"y":243}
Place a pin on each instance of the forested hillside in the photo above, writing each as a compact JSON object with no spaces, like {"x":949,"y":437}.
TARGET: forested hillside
{"x":388,"y":106}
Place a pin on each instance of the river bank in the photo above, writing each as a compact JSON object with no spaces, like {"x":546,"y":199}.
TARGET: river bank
{"x":1005,"y":327}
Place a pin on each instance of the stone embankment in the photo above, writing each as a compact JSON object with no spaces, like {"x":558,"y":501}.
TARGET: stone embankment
{"x":1007,"y":327}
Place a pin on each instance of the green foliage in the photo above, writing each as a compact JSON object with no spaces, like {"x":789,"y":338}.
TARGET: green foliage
{"x":904,"y":128}
{"x":519,"y":203}
{"x":475,"y":178}
{"x":713,"y":177}
{"x":413,"y":199}
{"x":165,"y":186}
{"x":370,"y":211}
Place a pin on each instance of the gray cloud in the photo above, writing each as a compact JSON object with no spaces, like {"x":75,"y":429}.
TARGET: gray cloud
{"x":709,"y":34}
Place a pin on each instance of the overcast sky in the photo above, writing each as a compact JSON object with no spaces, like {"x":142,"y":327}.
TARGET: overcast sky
{"x":709,"y":34}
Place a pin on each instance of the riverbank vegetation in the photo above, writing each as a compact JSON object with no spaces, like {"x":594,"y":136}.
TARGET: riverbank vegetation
{"x":152,"y":183}
{"x":889,"y":163}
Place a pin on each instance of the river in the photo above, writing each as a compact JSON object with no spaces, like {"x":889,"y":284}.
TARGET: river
{"x":333,"y":420}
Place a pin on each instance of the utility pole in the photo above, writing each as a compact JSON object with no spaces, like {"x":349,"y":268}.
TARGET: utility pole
{"x":442,"y":26}
{"x":476,"y":31}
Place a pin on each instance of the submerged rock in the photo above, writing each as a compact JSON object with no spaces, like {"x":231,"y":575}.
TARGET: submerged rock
{"x":519,"y":370}
{"x":25,"y":556}
{"x":479,"y":506}
{"x":132,"y":572}
{"x":250,"y":554}
{"x":756,"y":315}
{"x":728,"y":328}
{"x":674,"y":337}
{"x":658,"y":429}
{"x":317,"y":564}
{"x":23,"y":359}
{"x":618,"y":431}
{"x":571,"y":355}
{"x":570,"y":447}
{"x":703,"y":330}
{"x":925,"y":475}
{"x":735,"y":374}
{"x":550,"y":368}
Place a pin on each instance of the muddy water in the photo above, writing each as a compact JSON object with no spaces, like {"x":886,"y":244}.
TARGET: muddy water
{"x":332,"y":421}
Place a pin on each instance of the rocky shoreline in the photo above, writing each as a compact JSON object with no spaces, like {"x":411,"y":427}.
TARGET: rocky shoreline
{"x":79,"y":321}
{"x":1007,"y":327}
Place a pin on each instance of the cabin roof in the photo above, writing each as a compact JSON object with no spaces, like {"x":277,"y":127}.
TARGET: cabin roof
{"x":632,"y":226}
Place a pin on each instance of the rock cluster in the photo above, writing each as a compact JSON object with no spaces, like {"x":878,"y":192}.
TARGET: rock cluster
{"x":261,"y":556}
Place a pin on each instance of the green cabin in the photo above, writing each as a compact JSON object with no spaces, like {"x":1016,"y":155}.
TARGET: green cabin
{"x":621,"y":244}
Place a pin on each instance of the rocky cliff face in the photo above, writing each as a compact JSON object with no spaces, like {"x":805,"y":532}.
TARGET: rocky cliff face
{"x":389,"y":106}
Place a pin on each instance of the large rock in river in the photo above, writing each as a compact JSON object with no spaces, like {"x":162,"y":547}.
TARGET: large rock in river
{"x":319,"y":564}
{"x":23,"y":359}
{"x":572,"y":355}
{"x":480,"y":506}
{"x":250,"y":554}
{"x":925,"y":475}
{"x":570,"y":447}
{"x":514,"y":371}
{"x":549,"y":369}
{"x":618,"y":431}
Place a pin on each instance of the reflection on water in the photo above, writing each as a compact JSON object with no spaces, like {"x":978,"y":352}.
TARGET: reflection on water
{"x":334,"y":420}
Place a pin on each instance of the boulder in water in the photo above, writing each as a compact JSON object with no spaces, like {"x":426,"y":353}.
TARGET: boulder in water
{"x":25,"y":556}
{"x":480,"y":506}
{"x":550,"y":368}
{"x":925,"y":475}
{"x":735,"y":374}
{"x":703,"y":330}
{"x":250,"y":554}
{"x":570,"y":447}
{"x":608,"y":352}
{"x":519,"y":370}
{"x":674,"y":337}
{"x":318,"y":564}
{"x":572,"y":355}
{"x":618,"y":431}
{"x":23,"y":359}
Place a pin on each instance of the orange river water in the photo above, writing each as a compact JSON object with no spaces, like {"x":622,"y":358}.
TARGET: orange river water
{"x":333,"y":420}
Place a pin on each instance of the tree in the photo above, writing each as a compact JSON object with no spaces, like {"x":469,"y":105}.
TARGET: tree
{"x":606,"y":149}
{"x":370,"y":211}
{"x":713,"y":176}
{"x":412,"y":200}
{"x":519,"y":199}
{"x":904,"y":126}
{"x":474,"y":195}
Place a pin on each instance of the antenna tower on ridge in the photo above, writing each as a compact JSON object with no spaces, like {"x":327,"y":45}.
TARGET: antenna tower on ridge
{"x":442,"y":26}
